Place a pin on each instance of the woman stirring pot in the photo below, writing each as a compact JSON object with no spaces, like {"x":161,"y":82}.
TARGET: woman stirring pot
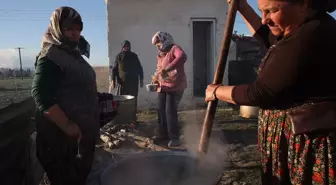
{"x":297,"y":121}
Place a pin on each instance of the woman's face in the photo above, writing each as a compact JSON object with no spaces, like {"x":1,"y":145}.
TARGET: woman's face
{"x":157,"y":42}
{"x":126,"y":48}
{"x":158,"y":45}
{"x":73,"y":32}
{"x":282,"y":17}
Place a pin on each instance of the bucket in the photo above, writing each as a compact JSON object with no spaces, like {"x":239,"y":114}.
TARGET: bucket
{"x":126,"y":109}
{"x":249,"y":112}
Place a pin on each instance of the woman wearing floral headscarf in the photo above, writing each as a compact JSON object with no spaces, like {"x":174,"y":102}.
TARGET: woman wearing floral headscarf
{"x":65,"y":92}
{"x":172,"y":82}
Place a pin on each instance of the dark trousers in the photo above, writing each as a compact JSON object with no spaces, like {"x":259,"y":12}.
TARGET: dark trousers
{"x":168,"y":126}
{"x":58,"y":158}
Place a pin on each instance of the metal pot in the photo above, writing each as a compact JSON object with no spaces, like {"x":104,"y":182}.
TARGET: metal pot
{"x":122,"y":98}
{"x":164,"y":167}
{"x":249,"y":111}
{"x":151,"y":87}
{"x":116,"y":110}
{"x":149,"y":169}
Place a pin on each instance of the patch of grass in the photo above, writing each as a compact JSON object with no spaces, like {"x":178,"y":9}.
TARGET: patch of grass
{"x":13,"y":84}
{"x":239,"y":126}
{"x":221,"y":114}
{"x":227,"y":113}
{"x":147,"y":116}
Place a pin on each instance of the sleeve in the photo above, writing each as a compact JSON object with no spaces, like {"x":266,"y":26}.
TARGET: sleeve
{"x":264,"y":36}
{"x":115,"y":69}
{"x":279,"y":76}
{"x":180,"y":58}
{"x":140,"y":69}
{"x":45,"y":83}
{"x":158,"y":65}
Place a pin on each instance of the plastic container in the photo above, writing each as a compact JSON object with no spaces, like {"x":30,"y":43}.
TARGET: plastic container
{"x":151,"y":87}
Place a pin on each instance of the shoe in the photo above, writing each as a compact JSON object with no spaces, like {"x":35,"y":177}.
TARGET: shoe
{"x":174,"y":143}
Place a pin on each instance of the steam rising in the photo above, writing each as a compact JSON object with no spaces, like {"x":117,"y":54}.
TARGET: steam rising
{"x":177,"y":168}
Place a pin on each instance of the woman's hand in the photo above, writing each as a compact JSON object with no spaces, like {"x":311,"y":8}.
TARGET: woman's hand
{"x":141,"y":83}
{"x":72,"y":130}
{"x":241,"y":3}
{"x":155,"y":79}
{"x":209,"y":93}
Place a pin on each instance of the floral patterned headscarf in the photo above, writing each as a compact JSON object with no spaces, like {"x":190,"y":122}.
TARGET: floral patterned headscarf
{"x":62,"y":16}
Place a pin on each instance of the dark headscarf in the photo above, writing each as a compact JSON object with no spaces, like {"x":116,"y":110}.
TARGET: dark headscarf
{"x":84,"y":47}
{"x":126,"y":43}
{"x":125,"y":54}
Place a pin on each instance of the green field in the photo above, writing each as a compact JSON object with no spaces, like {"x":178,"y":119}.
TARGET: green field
{"x":15,"y":84}
{"x":25,"y":84}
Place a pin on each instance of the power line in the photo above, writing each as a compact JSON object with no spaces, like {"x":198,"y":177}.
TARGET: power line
{"x":41,"y":19}
{"x":40,"y":14}
{"x":21,"y":71}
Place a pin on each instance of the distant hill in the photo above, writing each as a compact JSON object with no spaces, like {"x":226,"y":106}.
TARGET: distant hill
{"x":102,"y":74}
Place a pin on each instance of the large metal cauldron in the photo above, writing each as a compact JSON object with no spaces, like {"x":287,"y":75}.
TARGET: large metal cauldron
{"x":125,"y":109}
{"x":158,"y":168}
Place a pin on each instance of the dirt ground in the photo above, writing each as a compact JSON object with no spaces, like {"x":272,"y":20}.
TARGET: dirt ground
{"x":237,"y":135}
{"x":14,"y":90}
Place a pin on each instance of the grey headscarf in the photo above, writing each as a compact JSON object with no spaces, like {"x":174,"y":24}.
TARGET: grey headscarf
{"x":126,"y":43}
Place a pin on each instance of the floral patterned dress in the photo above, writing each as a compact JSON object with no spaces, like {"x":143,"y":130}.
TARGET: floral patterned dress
{"x":298,"y":160}
{"x":287,"y":159}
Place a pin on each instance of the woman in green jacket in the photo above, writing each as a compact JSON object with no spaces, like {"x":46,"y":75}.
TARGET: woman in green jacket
{"x":65,"y":92}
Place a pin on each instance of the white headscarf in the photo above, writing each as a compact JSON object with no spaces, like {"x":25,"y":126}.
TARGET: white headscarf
{"x":164,"y":38}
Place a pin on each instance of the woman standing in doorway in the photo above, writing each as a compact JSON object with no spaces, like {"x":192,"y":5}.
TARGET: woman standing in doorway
{"x":172,"y":81}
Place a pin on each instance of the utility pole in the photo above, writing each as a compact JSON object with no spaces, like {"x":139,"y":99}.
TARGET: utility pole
{"x":19,"y":49}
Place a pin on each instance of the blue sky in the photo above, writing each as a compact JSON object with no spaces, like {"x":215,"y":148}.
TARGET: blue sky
{"x":24,"y":22}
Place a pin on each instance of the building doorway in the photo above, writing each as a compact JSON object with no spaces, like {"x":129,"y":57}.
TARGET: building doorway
{"x":203,"y":41}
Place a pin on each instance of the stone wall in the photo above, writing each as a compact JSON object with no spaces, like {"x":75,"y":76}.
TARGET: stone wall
{"x":17,"y":147}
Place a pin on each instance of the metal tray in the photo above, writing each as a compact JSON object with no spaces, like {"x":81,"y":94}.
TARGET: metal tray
{"x":120,"y":98}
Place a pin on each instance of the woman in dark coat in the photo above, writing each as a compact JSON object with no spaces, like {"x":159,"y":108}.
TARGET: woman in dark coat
{"x":127,"y":74}
{"x":296,"y":74}
{"x":65,"y":92}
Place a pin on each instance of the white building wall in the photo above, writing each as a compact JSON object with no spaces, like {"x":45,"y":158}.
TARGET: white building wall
{"x":138,"y":20}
